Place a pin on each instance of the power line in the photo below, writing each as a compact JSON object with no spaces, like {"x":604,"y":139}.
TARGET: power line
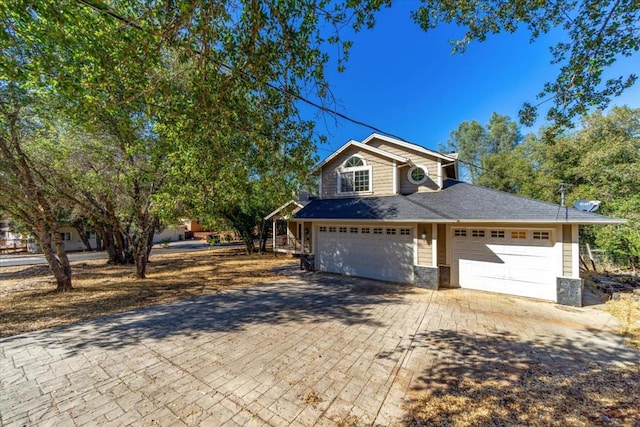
{"x":106,"y":10}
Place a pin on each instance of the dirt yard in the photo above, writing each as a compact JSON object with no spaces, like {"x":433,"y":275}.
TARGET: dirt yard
{"x":600,"y":396}
{"x":28,"y":301}
{"x":621,"y":292}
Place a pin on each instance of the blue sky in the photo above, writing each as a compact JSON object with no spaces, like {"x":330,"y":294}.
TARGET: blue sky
{"x":406,"y":81}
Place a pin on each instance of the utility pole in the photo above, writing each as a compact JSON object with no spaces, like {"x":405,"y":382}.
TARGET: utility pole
{"x":562,"y":188}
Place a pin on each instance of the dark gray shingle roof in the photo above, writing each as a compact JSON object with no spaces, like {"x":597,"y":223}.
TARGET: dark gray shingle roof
{"x":458,"y":201}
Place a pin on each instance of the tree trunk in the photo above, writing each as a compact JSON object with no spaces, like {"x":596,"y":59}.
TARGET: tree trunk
{"x":140,"y":257}
{"x":82,"y":232}
{"x":141,"y":244}
{"x":264,"y":235}
{"x":60,"y":268}
{"x":155,"y":221}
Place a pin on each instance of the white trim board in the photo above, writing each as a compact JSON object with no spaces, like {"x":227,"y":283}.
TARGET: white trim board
{"x":361,"y":146}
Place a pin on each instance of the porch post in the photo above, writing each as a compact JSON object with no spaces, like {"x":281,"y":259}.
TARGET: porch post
{"x":273,"y":237}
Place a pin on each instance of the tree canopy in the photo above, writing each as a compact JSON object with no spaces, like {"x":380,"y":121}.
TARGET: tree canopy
{"x":598,"y":32}
{"x":167,"y":109}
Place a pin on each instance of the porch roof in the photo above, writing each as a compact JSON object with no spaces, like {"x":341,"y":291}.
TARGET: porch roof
{"x":299,"y":203}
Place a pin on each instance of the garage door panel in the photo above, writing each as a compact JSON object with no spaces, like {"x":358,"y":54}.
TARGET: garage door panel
{"x":513,"y":266}
{"x":377,"y":256}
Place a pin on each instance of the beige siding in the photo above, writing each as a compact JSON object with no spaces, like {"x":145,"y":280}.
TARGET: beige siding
{"x":381,"y":169}
{"x":425,"y":255}
{"x":567,"y":256}
{"x":430,"y":162}
{"x":442,"y":244}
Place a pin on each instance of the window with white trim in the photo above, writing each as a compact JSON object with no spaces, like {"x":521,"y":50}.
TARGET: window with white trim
{"x":65,"y":235}
{"x":332,"y":229}
{"x":477,"y":233}
{"x":541,"y":235}
{"x":343,"y":229}
{"x":417,"y":174}
{"x":460,"y":232}
{"x":354,"y":176}
{"x":365,"y":230}
{"x":323,"y":229}
{"x":377,"y":231}
{"x":353,"y":230}
{"x":405,"y":232}
{"x":497,"y":234}
{"x":391,"y":231}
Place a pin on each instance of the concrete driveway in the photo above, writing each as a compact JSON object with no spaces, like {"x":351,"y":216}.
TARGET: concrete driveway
{"x":310,"y":350}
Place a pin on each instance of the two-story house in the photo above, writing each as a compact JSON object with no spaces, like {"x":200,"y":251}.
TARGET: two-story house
{"x":394,"y":211}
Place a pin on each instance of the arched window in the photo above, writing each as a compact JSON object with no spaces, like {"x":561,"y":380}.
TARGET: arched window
{"x":354,"y":161}
{"x":354,"y":176}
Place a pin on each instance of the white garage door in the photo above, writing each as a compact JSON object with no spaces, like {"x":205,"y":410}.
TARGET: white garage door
{"x":517,"y":262}
{"x":383,"y":253}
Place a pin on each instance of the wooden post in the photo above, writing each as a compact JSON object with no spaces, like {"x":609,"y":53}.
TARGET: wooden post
{"x":273,"y":237}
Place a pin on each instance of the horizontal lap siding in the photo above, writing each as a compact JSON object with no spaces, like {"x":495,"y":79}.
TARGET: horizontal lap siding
{"x":442,"y":244}
{"x":425,"y":250}
{"x":382,"y":174}
{"x":567,"y":265}
{"x":417,"y":158}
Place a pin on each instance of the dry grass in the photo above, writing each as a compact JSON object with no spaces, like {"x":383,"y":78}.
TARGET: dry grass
{"x":627,"y":310}
{"x":312,"y":398}
{"x":609,"y":396}
{"x":28,"y":302}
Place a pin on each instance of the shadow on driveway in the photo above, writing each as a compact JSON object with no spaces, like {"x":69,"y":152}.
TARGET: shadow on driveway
{"x":315,"y":298}
{"x":503,"y":379}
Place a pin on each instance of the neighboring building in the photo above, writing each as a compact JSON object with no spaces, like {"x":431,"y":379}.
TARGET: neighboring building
{"x":171,"y":234}
{"x":392,"y":210}
{"x":73,"y":242}
{"x":9,"y":238}
{"x":71,"y":238}
{"x":193,"y":225}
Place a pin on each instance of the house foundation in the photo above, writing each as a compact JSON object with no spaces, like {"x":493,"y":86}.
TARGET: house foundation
{"x":425,"y":277}
{"x":570,"y":291}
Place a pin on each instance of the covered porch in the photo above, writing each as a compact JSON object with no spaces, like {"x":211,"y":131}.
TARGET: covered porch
{"x":288,"y":236}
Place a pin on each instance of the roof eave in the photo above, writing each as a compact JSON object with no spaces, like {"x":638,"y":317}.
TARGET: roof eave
{"x":405,"y":144}
{"x":472,"y":221}
{"x":361,"y":146}
{"x":282,"y":207}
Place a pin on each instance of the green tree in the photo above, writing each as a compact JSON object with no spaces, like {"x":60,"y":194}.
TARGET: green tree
{"x":173,"y":90}
{"x":597,"y":34}
{"x":623,"y":241}
{"x":26,"y":191}
{"x":469,"y":141}
{"x":477,"y":144}
{"x":511,"y":171}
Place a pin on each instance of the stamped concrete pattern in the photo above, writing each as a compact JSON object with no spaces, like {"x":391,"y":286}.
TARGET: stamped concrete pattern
{"x":309,"y":350}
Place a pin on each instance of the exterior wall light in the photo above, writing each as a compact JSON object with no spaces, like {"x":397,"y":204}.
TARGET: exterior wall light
{"x":424,"y":235}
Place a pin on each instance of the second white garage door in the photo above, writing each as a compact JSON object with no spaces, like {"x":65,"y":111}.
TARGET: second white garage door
{"x":517,"y":262}
{"x":382,"y":253}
